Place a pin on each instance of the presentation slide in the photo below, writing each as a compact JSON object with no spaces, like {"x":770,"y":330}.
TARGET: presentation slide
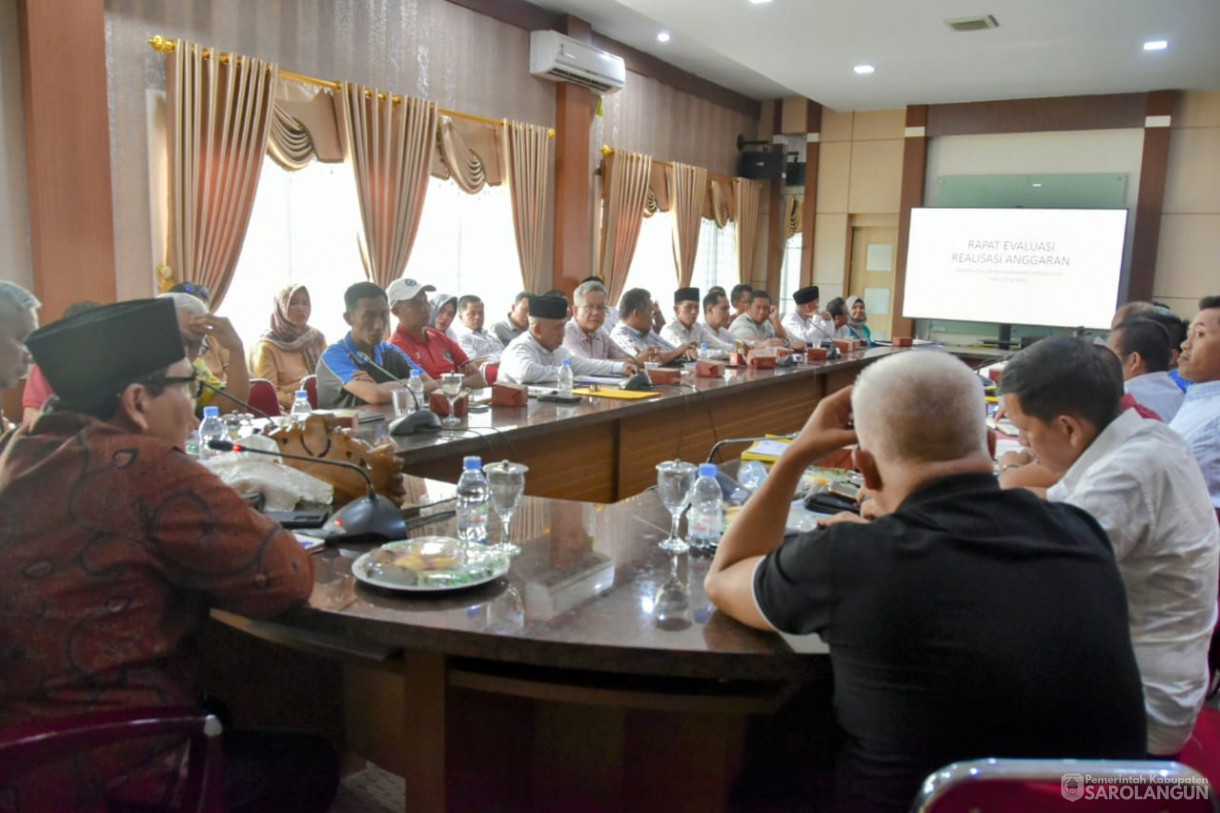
{"x":1054,"y":267}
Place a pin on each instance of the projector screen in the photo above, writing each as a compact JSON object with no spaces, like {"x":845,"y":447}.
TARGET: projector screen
{"x":1053,"y":267}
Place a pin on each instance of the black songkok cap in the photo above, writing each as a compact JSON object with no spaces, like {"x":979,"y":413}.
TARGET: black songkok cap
{"x":548,"y":307}
{"x":686,"y":295}
{"x":803,"y":296}
{"x":101,"y":351}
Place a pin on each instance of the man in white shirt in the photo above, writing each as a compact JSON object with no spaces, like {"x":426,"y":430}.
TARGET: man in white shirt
{"x":685,"y":329}
{"x":1139,"y":481}
{"x":536,"y":355}
{"x":756,"y":325}
{"x":634,"y":332}
{"x":1142,"y":347}
{"x":716,"y":316}
{"x":585,"y":334}
{"x":1198,"y":421}
{"x":477,"y":343}
{"x":805,"y":322}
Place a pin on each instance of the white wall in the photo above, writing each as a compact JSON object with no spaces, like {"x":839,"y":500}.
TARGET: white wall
{"x":15,"y":261}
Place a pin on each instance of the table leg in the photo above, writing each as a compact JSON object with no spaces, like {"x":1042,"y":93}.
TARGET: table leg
{"x":424,"y":730}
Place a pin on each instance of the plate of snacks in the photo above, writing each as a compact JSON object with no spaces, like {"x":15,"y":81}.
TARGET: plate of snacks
{"x":429,"y":564}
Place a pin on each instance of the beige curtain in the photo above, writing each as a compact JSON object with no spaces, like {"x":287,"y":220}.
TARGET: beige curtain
{"x":688,"y":192}
{"x":527,"y":169}
{"x":469,"y":153}
{"x":748,"y":195}
{"x":720,"y":201}
{"x":220,"y":112}
{"x":389,"y":143}
{"x":792,"y":217}
{"x":290,"y":143}
{"x":625,"y":179}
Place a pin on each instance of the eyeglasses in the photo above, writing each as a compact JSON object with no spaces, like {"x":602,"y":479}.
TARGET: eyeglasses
{"x":185,"y":381}
{"x":595,"y":308}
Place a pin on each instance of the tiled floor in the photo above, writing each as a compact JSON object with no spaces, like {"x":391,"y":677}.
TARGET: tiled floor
{"x":372,"y":790}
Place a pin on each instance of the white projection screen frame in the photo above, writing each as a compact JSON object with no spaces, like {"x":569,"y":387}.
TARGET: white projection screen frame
{"x":1049,"y":267}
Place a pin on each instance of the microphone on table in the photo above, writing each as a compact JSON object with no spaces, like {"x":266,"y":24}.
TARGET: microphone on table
{"x":234,"y":399}
{"x":421,"y":420}
{"x":372,"y":518}
{"x":727,"y":441}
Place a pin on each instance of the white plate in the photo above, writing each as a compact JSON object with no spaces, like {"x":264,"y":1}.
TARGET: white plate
{"x":496,"y":566}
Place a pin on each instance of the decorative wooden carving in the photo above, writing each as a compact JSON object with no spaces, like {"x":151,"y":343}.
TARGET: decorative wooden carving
{"x":322,"y":437}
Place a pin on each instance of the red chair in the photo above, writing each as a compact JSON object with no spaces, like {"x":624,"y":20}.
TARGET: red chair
{"x":491,"y":372}
{"x":31,"y":745}
{"x":1020,"y":785}
{"x":263,"y":396}
{"x":310,"y":384}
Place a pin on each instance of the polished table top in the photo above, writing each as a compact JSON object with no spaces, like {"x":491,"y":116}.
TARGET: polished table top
{"x":590,"y":590}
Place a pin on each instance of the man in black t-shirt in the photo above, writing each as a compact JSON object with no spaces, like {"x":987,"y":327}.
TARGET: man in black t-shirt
{"x":966,"y":622}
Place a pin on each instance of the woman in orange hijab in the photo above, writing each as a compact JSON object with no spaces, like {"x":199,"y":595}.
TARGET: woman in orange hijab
{"x":289,"y":351}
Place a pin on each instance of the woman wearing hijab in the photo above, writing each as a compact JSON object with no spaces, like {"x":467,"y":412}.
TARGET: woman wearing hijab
{"x":444,"y":308}
{"x":289,"y":351}
{"x":857,"y":319}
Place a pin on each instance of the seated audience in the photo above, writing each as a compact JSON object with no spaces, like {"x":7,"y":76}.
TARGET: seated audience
{"x":427,"y":346}
{"x":516,"y":322}
{"x":555,"y":292}
{"x":204,"y":335}
{"x":477,"y":343}
{"x":634,"y":332}
{"x":535,"y":356}
{"x":857,"y":321}
{"x":123,"y":546}
{"x":584,"y":334}
{"x":739,"y":298}
{"x":18,"y":319}
{"x":805,"y":322}
{"x":756,"y":326}
{"x":955,"y":621}
{"x":611,"y":311}
{"x":444,"y":309}
{"x":1198,"y":421}
{"x":716,"y":316}
{"x":686,"y":329}
{"x":1139,"y":481}
{"x":290,"y":350}
{"x":363,"y":368}
{"x":37,"y":389}
{"x":1142,"y":347}
{"x":1168,"y":320}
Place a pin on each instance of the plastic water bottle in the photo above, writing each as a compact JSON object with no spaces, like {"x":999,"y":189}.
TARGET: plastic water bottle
{"x":472,"y":505}
{"x":416,"y":385}
{"x":706,"y":516}
{"x":703,"y":351}
{"x":300,"y":407}
{"x":212,"y":428}
{"x":565,"y":379}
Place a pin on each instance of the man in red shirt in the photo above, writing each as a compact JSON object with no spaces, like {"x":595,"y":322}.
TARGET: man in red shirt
{"x":427,"y":346}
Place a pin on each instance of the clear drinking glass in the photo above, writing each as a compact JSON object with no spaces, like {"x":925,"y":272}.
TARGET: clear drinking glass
{"x":674,"y":481}
{"x":451,"y":387}
{"x":506,"y":485}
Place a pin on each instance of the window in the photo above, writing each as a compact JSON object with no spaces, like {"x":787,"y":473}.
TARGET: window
{"x":653,"y":268}
{"x":716,"y":259}
{"x":790,"y":272}
{"x":305,"y":227}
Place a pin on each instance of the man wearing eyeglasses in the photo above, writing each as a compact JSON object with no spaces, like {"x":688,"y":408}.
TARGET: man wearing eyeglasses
{"x":584,"y":334}
{"x":114,"y":545}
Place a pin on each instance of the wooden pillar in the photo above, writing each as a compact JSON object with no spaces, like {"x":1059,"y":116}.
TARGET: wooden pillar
{"x":574,"y":213}
{"x":775,"y":213}
{"x":67,"y":149}
{"x":809,"y":209}
{"x":1154,"y":165}
{"x":914,"y":168}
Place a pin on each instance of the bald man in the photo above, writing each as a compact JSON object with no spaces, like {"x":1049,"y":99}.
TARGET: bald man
{"x":954,"y":621}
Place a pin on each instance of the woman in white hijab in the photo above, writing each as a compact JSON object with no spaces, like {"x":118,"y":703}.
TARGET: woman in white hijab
{"x":857,"y":320}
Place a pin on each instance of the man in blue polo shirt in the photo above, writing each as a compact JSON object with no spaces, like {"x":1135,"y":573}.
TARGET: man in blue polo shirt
{"x":362,"y":368}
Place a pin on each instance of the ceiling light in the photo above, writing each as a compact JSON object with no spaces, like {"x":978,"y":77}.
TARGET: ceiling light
{"x":759,"y":2}
{"x":663,"y":36}
{"x":1156,"y":45}
{"x":864,"y":69}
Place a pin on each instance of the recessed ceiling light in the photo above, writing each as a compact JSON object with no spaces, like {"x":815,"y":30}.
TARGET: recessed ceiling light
{"x":759,"y":2}
{"x":663,"y":36}
{"x":1156,"y":45}
{"x":1036,"y":185}
{"x":864,"y":69}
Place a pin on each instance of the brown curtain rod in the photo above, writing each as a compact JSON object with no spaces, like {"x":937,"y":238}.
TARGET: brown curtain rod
{"x":163,"y":45}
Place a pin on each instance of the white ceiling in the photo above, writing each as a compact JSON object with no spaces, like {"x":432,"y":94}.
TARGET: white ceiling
{"x":809,"y":47}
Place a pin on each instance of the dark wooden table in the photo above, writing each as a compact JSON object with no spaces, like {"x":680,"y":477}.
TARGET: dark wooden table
{"x":603,"y":450}
{"x":568,"y":684}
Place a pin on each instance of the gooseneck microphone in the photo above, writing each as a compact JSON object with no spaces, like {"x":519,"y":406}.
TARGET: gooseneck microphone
{"x":234,"y":399}
{"x":372,"y":518}
{"x":421,"y":420}
{"x":727,"y":441}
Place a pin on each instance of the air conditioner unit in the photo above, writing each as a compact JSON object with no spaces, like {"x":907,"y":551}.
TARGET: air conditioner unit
{"x":563,"y":59}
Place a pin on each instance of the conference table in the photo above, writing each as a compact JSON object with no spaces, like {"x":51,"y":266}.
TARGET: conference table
{"x":603,"y":450}
{"x":595,"y":675}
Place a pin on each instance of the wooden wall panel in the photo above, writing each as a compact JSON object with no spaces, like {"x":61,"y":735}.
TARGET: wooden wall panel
{"x":1037,"y":115}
